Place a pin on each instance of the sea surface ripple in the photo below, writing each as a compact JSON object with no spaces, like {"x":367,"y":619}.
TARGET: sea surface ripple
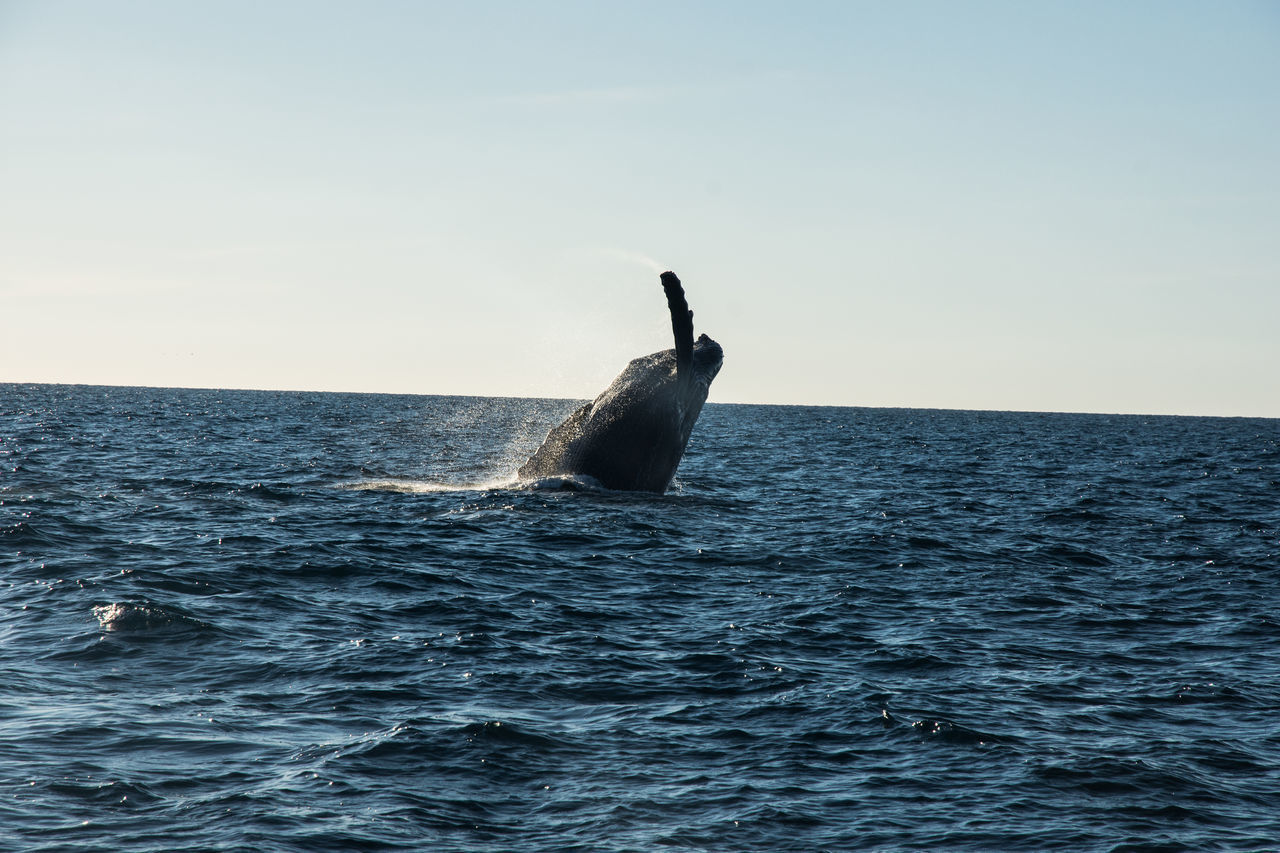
{"x":237,"y":620}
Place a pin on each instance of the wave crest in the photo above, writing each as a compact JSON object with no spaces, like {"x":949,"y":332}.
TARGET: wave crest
{"x":141,"y":617}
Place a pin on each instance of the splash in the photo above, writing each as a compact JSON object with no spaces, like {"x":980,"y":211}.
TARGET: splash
{"x":414,"y":487}
{"x":567,"y":483}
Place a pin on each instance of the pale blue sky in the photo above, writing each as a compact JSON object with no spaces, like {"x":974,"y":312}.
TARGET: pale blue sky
{"x":1069,"y":207}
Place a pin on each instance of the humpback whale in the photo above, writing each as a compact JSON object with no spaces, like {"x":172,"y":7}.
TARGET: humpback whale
{"x":632,"y":436}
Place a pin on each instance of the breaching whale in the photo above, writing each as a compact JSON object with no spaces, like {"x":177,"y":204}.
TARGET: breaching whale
{"x":632,"y":436}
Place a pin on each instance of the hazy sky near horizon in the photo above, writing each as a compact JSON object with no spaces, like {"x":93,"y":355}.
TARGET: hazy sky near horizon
{"x":1071,"y":207}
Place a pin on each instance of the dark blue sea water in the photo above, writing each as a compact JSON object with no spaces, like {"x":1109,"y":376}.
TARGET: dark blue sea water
{"x":236,"y":620}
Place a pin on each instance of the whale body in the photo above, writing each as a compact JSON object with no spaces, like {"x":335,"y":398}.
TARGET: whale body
{"x":633,"y":435}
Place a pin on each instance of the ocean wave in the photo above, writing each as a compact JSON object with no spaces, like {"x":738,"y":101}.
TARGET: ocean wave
{"x":130,"y":617}
{"x":325,"y":622}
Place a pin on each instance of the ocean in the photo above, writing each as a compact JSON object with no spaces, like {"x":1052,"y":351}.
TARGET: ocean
{"x":268,"y":621}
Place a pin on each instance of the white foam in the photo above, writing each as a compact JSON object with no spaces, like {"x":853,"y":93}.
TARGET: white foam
{"x":424,"y":486}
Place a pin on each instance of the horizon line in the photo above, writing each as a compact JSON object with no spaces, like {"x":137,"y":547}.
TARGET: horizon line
{"x":584,"y":399}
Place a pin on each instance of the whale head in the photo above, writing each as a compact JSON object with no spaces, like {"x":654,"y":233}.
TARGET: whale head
{"x":707,"y":360}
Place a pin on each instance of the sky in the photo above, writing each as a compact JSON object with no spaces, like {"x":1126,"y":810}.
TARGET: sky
{"x":979,"y":205}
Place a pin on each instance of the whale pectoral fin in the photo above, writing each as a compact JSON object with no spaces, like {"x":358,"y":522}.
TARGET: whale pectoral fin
{"x":681,"y":327}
